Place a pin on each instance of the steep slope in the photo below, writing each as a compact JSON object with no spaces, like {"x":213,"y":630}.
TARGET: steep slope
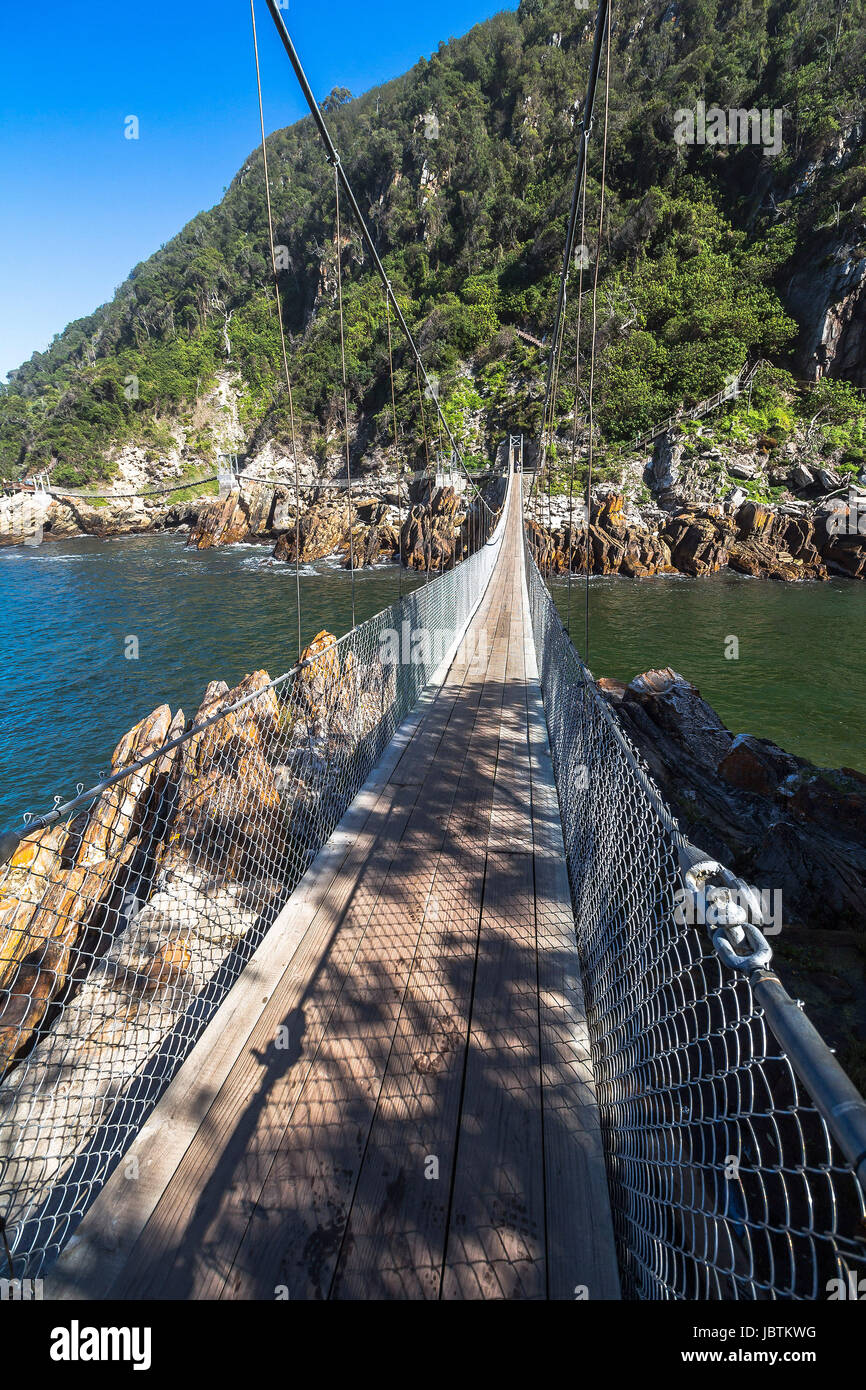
{"x":709,"y":254}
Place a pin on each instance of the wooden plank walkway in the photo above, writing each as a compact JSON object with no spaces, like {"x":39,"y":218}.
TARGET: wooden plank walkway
{"x":428,"y":1127}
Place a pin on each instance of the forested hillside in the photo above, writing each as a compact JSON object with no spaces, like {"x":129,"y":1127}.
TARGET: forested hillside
{"x":709,"y":254}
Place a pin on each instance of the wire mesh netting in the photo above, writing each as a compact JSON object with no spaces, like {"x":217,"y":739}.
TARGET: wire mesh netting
{"x":724,"y":1180}
{"x":123,"y":927}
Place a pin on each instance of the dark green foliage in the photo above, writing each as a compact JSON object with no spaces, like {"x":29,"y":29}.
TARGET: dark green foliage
{"x":464,"y":169}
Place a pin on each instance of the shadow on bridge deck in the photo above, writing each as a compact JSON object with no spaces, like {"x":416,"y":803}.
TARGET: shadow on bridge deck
{"x":395,"y":1100}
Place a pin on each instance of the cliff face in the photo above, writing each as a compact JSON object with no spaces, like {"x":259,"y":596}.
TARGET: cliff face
{"x":829,"y":303}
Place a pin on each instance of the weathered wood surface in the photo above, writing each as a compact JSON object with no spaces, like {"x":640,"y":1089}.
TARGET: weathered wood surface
{"x":396,"y":1100}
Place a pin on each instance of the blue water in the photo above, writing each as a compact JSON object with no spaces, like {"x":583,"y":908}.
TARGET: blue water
{"x":69,"y":693}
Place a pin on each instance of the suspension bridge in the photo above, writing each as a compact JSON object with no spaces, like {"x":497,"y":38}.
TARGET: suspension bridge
{"x":394,"y":977}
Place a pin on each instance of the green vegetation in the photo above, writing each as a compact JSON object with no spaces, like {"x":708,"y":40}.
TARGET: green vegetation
{"x":828,"y":421}
{"x":696,"y":253}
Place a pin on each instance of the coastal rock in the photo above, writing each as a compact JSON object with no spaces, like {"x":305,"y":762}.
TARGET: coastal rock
{"x":111,"y":517}
{"x":222,"y":522}
{"x":244,"y":513}
{"x":775,"y":819}
{"x":71,"y":905}
{"x":284,"y":510}
{"x":785,"y":543}
{"x":698,"y":543}
{"x":752,"y":767}
{"x":209,"y":822}
{"x":227,"y":812}
{"x":323,"y":530}
{"x":675,"y":709}
{"x":771,"y":545}
{"x":846,"y":555}
{"x":432,"y":535}
{"x":615,"y":545}
{"x":319,"y":677}
{"x":23,"y":517}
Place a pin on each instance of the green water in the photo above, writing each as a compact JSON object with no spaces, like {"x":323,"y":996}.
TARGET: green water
{"x":799,"y":679}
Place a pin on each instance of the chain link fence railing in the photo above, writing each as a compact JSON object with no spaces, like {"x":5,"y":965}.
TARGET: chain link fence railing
{"x":127,"y":915}
{"x":726,"y":1180}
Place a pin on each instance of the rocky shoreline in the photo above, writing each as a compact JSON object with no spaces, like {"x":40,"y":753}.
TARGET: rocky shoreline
{"x":696,"y":539}
{"x":669,"y":514}
{"x":433,"y":526}
{"x":425,"y":525}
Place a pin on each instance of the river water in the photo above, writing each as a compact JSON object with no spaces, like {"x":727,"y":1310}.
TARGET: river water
{"x":67,"y":610}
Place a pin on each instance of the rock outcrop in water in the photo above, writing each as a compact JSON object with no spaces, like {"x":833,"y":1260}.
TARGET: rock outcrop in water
{"x":616,"y":545}
{"x":23,"y":516}
{"x":433,"y":536}
{"x":323,"y":530}
{"x":360,"y":531}
{"x":753,"y":538}
{"x":61,"y":901}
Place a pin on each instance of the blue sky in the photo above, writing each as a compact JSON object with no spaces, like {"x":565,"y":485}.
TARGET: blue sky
{"x":80,"y":204}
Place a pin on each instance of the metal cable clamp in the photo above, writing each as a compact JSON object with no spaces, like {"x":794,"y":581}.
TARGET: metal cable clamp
{"x":729,"y":907}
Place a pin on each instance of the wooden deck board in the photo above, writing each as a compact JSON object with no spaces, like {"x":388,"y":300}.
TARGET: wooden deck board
{"x":430,"y":1131}
{"x":394,"y":1244}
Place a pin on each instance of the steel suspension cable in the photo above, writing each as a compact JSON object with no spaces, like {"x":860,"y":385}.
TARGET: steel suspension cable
{"x":427,"y":469}
{"x":334,"y":159}
{"x":282,"y":332}
{"x":592,"y":341}
{"x":345,"y":393}
{"x":441,"y":452}
{"x":582,"y":245}
{"x":549,"y":451}
{"x":551,"y":423}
